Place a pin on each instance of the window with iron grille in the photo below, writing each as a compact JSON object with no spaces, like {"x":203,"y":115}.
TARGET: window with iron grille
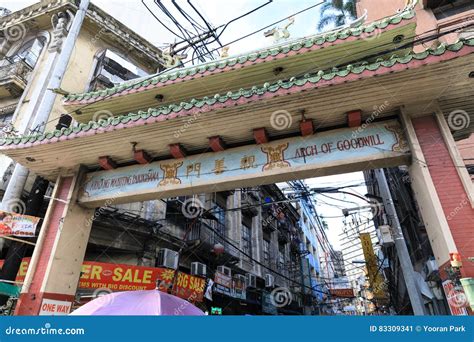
{"x":266,"y":252}
{"x":219,"y":225}
{"x":246,"y":239}
{"x":281,"y":259}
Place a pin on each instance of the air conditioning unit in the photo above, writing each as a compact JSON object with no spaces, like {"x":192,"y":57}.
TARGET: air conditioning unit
{"x":198,"y":269}
{"x":240,"y":278}
{"x":429,"y":268}
{"x":224,"y":270}
{"x":251,"y":280}
{"x":385,"y":235}
{"x":269,"y":280}
{"x":296,"y":289}
{"x":167,"y":258}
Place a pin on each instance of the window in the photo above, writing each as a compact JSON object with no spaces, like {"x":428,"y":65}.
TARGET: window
{"x":219,"y":225}
{"x":5,"y":119}
{"x":266,"y":252}
{"x":445,"y":8}
{"x":281,"y":259}
{"x":111,"y":69}
{"x":30,"y":51}
{"x":246,"y":239}
{"x":220,"y":214}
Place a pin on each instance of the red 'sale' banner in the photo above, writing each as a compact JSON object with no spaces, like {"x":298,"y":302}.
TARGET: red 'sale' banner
{"x":121,"y":277}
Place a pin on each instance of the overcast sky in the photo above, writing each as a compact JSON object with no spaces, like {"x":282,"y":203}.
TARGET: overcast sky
{"x":133,"y":14}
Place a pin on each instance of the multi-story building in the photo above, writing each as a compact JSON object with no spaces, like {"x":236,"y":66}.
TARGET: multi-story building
{"x":426,"y":270}
{"x":319,"y":257}
{"x":249,"y":234}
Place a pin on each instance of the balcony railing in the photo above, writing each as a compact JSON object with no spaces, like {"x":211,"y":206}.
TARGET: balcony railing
{"x":209,"y":233}
{"x":14,"y":78}
{"x":248,"y":202}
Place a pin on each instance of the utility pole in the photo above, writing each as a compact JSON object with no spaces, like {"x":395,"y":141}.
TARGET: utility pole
{"x":400,"y":245}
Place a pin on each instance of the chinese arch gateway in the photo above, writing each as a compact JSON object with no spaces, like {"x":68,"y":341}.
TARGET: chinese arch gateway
{"x":337,"y":151}
{"x":54,"y":276}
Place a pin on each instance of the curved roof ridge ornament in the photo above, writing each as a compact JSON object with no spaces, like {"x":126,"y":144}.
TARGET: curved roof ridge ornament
{"x":279,"y":34}
{"x":359,"y":21}
{"x":410,"y":5}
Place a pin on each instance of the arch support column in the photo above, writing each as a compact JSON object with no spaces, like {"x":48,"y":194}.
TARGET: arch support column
{"x":444,"y":195}
{"x":55,"y":267}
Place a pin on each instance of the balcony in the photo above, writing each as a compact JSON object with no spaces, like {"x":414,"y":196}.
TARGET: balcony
{"x":283,"y":231}
{"x":283,"y":236}
{"x":248,"y":203}
{"x":269,"y":222}
{"x":203,"y":235}
{"x":13,"y":78}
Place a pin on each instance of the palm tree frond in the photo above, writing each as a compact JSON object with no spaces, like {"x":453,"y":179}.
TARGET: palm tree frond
{"x":327,"y":20}
{"x":340,"y":20}
{"x":338,"y":4}
{"x":325,"y":8}
{"x":336,"y":12}
{"x":350,"y":8}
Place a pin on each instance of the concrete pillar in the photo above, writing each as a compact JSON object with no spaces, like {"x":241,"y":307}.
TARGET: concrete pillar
{"x":233,"y":220}
{"x":55,"y":266}
{"x":442,"y":190}
{"x":287,"y":259}
{"x":274,"y":256}
{"x":257,"y":241}
{"x":46,"y":99}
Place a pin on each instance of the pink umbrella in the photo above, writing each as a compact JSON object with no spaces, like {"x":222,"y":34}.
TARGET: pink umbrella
{"x":138,"y":303}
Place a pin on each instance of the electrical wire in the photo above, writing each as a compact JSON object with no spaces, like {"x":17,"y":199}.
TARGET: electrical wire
{"x":260,"y":263}
{"x":132,"y":84}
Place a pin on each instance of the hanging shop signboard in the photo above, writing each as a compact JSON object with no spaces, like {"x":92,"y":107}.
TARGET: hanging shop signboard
{"x":20,"y":276}
{"x":342,"y":293}
{"x":9,"y":290}
{"x":457,"y":299}
{"x":297,"y":157}
{"x":12,"y":224}
{"x":121,"y":277}
{"x":376,"y":280}
{"x":228,"y":286}
{"x":222,"y":283}
{"x":268,"y":303}
{"x":238,"y":289}
{"x":215,"y":310}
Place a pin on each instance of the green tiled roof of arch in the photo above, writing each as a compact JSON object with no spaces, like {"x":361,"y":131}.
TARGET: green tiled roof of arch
{"x":284,"y":48}
{"x":307,"y":80}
